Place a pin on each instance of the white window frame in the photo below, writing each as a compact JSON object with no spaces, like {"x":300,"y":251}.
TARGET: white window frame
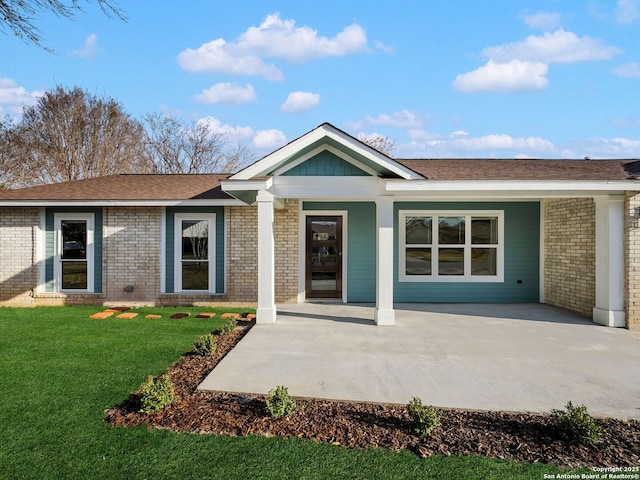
{"x":435,"y":277}
{"x":58,"y":218}
{"x":177,"y":255}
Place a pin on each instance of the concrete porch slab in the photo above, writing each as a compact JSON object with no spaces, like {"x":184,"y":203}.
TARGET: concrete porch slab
{"x":474,"y":356}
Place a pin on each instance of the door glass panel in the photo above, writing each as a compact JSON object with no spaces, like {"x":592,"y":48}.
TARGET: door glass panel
{"x":484,"y":230}
{"x":195,"y":275}
{"x":324,"y":281}
{"x":483,"y":261}
{"x":451,"y":261}
{"x":418,"y":230}
{"x":418,"y":261}
{"x":323,"y":230}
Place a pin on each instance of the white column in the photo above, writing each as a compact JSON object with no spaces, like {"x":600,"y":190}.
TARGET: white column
{"x":384,"y":315}
{"x":266,"y":312}
{"x":609,"y":309}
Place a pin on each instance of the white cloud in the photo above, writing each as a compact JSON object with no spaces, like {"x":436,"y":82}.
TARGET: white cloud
{"x":269,"y":139}
{"x":13,"y":97}
{"x":385,"y":48}
{"x":597,"y":147}
{"x":401,"y":119}
{"x":233,"y":134}
{"x":226,"y":93}
{"x":298,"y":102}
{"x":627,"y":11}
{"x":513,"y":76}
{"x":542,"y":20}
{"x":89,"y":49}
{"x":557,"y":47}
{"x":628,"y":70}
{"x":273,"y":38}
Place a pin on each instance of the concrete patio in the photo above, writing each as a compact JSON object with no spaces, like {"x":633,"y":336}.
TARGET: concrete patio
{"x":474,"y":356}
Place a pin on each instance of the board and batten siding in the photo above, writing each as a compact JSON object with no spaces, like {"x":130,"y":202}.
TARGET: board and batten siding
{"x":170,"y":244}
{"x":325,"y":164}
{"x":521,"y":258}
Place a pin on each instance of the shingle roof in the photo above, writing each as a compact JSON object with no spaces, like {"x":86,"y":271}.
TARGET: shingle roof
{"x":523,"y":169}
{"x":127,"y":188}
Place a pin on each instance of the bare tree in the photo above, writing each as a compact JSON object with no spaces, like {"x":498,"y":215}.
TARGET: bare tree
{"x":382,"y":144}
{"x":190,"y":148}
{"x":17,"y":16}
{"x":70,"y":135}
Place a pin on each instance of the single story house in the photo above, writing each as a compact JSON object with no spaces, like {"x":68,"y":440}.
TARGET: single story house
{"x":328,"y":217}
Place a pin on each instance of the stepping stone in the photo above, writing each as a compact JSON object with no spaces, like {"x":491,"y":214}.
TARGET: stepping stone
{"x":180,"y":315}
{"x":152,"y":315}
{"x":230,"y":315}
{"x":127,"y":315}
{"x":119,"y":309}
{"x":101,"y":315}
{"x":205,"y":315}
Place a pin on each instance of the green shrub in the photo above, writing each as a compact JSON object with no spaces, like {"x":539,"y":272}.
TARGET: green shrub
{"x":229,"y":327}
{"x":424,"y":419}
{"x":205,"y":345}
{"x":576,"y":426}
{"x":156,"y":393}
{"x":279,"y":403}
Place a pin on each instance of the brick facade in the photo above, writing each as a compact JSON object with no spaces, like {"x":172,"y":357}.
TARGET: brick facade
{"x":131,"y":253}
{"x":242,"y":253}
{"x":632,"y":260}
{"x":19,"y":268}
{"x":569,"y":254}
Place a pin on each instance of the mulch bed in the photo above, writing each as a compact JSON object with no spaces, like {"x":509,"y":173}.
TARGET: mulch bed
{"x":523,"y":437}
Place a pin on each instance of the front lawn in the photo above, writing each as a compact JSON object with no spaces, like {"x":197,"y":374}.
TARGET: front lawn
{"x":60,"y":370}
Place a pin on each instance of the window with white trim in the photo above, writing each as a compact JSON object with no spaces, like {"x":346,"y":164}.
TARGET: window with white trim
{"x":73,"y":260}
{"x":451,"y":246}
{"x":194,"y":259}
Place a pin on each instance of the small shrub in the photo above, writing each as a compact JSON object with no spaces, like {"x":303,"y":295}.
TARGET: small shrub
{"x":229,"y":327}
{"x":424,"y":419}
{"x":279,"y":403}
{"x":576,"y":426}
{"x":205,"y":345}
{"x":156,"y":393}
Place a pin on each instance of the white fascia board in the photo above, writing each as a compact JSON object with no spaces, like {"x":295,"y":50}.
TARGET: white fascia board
{"x":122,"y":203}
{"x":549,"y":186}
{"x":326,"y":187}
{"x":274,"y":159}
{"x":246,"y":185}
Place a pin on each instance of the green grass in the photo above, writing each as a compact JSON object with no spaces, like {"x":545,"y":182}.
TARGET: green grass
{"x":59,"y":371}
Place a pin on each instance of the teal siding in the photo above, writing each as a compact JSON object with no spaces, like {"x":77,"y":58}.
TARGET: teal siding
{"x":361,"y":246}
{"x":170,"y":244}
{"x":325,"y":164}
{"x":521,"y":255}
{"x":97,"y":244}
{"x":521,"y":259}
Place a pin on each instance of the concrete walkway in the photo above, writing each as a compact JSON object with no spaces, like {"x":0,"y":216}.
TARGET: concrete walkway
{"x":474,"y":356}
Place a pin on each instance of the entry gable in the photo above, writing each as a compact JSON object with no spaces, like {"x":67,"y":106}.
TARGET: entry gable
{"x":323,"y":145}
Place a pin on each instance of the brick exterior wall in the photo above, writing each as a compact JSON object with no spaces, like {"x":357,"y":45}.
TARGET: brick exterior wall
{"x":569,"y":254}
{"x":19,"y":270}
{"x":131,"y":253}
{"x":632,"y":261}
{"x":242,"y":253}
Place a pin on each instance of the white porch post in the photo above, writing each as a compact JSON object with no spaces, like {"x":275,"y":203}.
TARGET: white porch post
{"x":609,"y":309}
{"x":384,"y":315}
{"x":266,"y":312}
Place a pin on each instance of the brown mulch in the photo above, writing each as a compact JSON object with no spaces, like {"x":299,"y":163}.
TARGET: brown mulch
{"x":524,"y":437}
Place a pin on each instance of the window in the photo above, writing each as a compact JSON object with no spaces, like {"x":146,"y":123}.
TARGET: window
{"x":451,"y":246}
{"x":73,"y":267}
{"x":194,"y":253}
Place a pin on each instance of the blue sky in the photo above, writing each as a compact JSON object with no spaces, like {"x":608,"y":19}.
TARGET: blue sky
{"x":536,"y":79}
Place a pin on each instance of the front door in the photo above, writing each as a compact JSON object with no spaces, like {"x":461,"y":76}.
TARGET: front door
{"x":324,"y":257}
